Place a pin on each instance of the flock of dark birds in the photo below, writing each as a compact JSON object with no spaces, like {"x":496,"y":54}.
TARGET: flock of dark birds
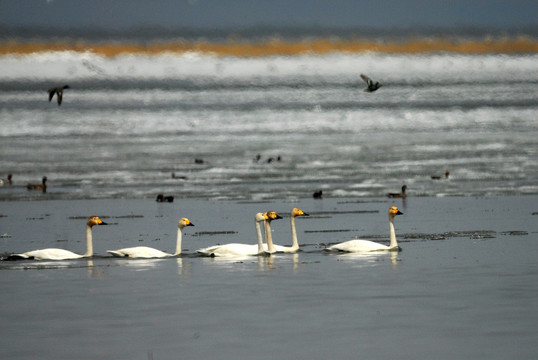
{"x":58,"y":91}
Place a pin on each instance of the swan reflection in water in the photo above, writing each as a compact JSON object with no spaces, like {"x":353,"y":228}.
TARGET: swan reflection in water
{"x":367,"y":259}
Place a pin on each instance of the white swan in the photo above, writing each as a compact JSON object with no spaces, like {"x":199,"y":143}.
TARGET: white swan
{"x":235,"y":249}
{"x":294,"y":243}
{"x":61,"y":254}
{"x":269,"y":246}
{"x":366,"y":245}
{"x":147,"y":252}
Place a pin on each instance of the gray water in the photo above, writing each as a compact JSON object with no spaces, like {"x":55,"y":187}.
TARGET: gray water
{"x":128,"y":122}
{"x":464,"y":285}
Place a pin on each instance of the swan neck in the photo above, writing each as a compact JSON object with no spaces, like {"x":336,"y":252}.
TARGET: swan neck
{"x":178,"y":241}
{"x":294,"y":241}
{"x":259,"y":235}
{"x":269,"y":237}
{"x":89,"y":242}
{"x":393,"y":242}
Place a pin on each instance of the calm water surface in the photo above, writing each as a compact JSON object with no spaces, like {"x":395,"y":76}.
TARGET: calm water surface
{"x":464,"y":285}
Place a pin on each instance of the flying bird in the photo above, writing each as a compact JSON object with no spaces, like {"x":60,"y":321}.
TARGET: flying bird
{"x":371,"y":85}
{"x":58,"y":91}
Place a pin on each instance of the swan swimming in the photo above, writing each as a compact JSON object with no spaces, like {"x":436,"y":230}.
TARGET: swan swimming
{"x":235,"y":249}
{"x":147,"y":252}
{"x":366,"y":245}
{"x":294,"y":242}
{"x":269,"y":246}
{"x":61,"y":254}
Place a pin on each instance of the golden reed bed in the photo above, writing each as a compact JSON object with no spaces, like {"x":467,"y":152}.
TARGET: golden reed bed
{"x":279,"y":47}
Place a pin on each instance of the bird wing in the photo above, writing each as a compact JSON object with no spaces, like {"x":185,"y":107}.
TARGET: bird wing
{"x":51,"y":93}
{"x":59,"y":96}
{"x":366,"y":79}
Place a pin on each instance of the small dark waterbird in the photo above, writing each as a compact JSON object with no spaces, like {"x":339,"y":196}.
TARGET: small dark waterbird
{"x":371,"y":85}
{"x":438,"y":177}
{"x":42,"y":186}
{"x":402,"y":195}
{"x":162,"y":198}
{"x":6,"y":181}
{"x":58,"y":91}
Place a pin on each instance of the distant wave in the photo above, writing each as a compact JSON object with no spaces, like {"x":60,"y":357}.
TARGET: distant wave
{"x":279,"y":47}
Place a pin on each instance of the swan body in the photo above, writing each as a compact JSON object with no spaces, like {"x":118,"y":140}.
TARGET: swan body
{"x":148,"y":252}
{"x":367,"y":245}
{"x":294,"y":242}
{"x":236,"y":249}
{"x":61,"y":254}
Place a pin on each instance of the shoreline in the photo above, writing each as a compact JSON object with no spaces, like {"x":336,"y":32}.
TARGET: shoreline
{"x":276,"y":47}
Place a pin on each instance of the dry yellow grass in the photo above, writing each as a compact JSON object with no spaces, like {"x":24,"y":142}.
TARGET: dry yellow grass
{"x":278,"y":47}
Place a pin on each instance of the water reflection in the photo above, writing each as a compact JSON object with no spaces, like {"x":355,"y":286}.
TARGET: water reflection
{"x":367,"y":259}
{"x":140,"y":264}
{"x":263,"y":263}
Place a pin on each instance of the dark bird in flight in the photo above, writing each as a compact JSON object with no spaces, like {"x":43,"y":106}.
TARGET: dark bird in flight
{"x":58,"y":91}
{"x":371,"y":85}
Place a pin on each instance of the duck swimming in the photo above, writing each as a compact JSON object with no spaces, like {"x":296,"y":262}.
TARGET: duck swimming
{"x":42,"y":186}
{"x":402,"y":195}
{"x":6,"y":181}
{"x":162,"y":198}
{"x":58,"y":91}
{"x":371,"y":85}
{"x":438,"y":177}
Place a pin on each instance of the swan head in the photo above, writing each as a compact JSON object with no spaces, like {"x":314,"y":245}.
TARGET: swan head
{"x":271,"y":215}
{"x":404,"y":187}
{"x":298,"y":212}
{"x":393,"y":211}
{"x":94,"y":220}
{"x":184,"y":222}
{"x":260,"y":217}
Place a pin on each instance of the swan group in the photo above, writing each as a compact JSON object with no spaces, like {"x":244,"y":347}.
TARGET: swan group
{"x":294,"y":242}
{"x":148,"y":252}
{"x":224,"y":250}
{"x":61,"y":254}
{"x":236,"y":249}
{"x":367,"y":245}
